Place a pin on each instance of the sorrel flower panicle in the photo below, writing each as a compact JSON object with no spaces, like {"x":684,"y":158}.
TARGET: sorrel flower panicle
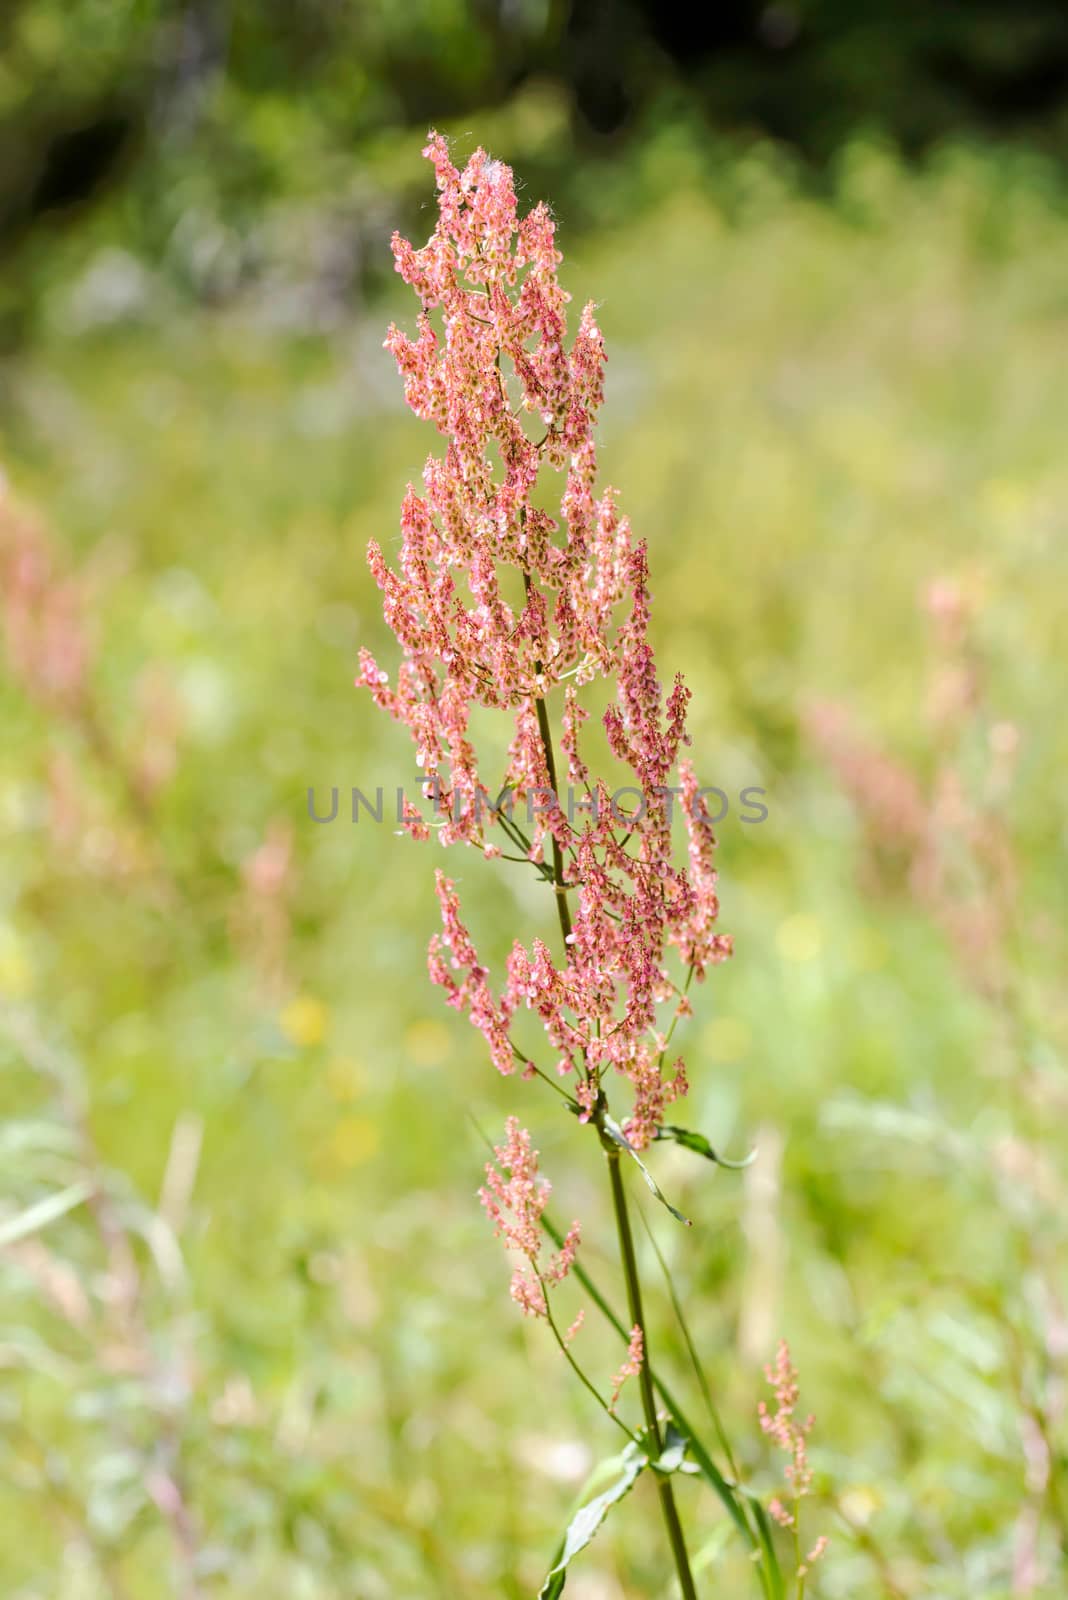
{"x":498,"y":604}
{"x":790,"y":1433}
{"x":502,"y":605}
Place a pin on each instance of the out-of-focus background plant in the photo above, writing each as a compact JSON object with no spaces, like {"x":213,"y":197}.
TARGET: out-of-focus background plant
{"x":252,"y":1339}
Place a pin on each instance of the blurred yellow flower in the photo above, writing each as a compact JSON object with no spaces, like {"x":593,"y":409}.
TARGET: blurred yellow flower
{"x":353,"y":1140}
{"x":15,"y":970}
{"x":1005,"y":499}
{"x":303,"y":1021}
{"x":869,"y":950}
{"x":859,"y":1505}
{"x":427,"y":1042}
{"x":726,"y":1039}
{"x":345,"y":1078}
{"x":799,"y":938}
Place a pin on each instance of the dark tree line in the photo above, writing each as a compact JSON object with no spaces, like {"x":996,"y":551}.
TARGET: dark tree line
{"x":85,"y":109}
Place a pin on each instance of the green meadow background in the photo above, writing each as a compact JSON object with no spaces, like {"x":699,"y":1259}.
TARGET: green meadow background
{"x":248,"y":1103}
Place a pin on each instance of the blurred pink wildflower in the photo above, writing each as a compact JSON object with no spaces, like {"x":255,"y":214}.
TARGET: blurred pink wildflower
{"x":948,"y":833}
{"x":790,"y":1434}
{"x":45,"y":634}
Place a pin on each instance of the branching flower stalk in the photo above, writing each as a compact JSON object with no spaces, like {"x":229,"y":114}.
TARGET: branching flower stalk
{"x":500,"y":605}
{"x":790,"y":1434}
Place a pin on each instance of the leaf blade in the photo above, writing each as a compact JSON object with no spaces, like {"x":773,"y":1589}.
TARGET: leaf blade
{"x":616,"y":1134}
{"x":588,"y":1518}
{"x":690,"y":1139}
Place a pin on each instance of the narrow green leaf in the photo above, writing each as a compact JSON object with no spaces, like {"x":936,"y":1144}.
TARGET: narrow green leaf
{"x":718,"y":1483}
{"x":615,"y":1132}
{"x":767,"y":1541}
{"x":732,"y":1498}
{"x":701,"y":1147}
{"x":713,"y":1547}
{"x":699,"y":1371}
{"x":38,"y":1216}
{"x":588,"y":1519}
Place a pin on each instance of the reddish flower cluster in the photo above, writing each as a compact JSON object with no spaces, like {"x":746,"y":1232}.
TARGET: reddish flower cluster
{"x":790,"y":1434}
{"x":947,"y":834}
{"x":498,"y":604}
{"x":631,"y":1366}
{"x":46,"y":610}
{"x":262,"y":916}
{"x":48,"y":649}
{"x":514,"y":1198}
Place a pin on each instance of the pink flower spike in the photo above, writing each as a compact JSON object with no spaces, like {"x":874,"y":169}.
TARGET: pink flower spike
{"x":514,"y":1197}
{"x":631,"y":1366}
{"x":575,"y":1326}
{"x":789,"y":1435}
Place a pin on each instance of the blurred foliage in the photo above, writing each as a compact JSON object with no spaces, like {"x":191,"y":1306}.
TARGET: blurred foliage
{"x":225,"y":143}
{"x":270,"y":1352}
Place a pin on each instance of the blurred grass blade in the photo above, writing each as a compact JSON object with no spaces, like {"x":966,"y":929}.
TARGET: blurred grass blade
{"x":776,"y":1588}
{"x":691,"y":1348}
{"x":45,"y":1211}
{"x":712,"y":1475}
{"x":768,"y":1571}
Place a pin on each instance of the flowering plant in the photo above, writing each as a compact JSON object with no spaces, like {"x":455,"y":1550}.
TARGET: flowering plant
{"x":503,"y":606}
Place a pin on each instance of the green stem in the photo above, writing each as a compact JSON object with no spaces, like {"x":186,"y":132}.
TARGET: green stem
{"x":563,"y":910}
{"x":731,"y":1497}
{"x":577,"y":1370}
{"x":664,"y":1486}
{"x":668,"y":1508}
